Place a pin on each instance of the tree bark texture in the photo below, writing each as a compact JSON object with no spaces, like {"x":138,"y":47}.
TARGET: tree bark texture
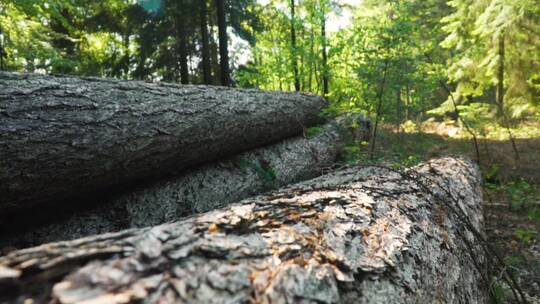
{"x":359,"y":235}
{"x":65,"y":137}
{"x":206,"y":188}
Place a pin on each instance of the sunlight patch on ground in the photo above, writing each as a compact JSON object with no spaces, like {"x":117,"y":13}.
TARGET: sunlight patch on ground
{"x":491,"y":131}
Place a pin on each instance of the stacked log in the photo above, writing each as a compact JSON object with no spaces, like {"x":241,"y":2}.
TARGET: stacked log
{"x":184,"y":168}
{"x":359,"y":235}
{"x":205,"y":188}
{"x":65,"y":139}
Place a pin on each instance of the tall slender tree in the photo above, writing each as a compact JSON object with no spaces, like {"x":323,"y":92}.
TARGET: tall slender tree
{"x":325,"y":72}
{"x":293,"y":48}
{"x":500,"y":74}
{"x":182,"y":42}
{"x":205,"y":45}
{"x":223,"y":42}
{"x":1,"y":49}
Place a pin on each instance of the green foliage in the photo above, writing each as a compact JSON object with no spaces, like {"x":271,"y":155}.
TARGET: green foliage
{"x":266,"y":173}
{"x":355,"y":152}
{"x":478,"y":115}
{"x":118,"y":38}
{"x":140,"y":39}
{"x":395,"y":39}
{"x":406,"y":161}
{"x":398,"y":156}
{"x":392,"y":34}
{"x":521,"y":194}
{"x":312,"y":132}
{"x":410,"y":126}
{"x":514,"y":260}
{"x":474,"y":32}
{"x":351,"y":153}
{"x":271,"y":65}
{"x":534,"y":214}
{"x":498,"y":295}
{"x":490,"y":175}
{"x":525,"y":235}
{"x":61,"y":36}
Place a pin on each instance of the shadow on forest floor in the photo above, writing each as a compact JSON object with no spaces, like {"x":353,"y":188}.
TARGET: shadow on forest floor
{"x":514,"y":229}
{"x":499,"y":153}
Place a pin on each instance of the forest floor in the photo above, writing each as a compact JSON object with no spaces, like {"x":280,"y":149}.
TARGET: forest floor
{"x":511,"y":186}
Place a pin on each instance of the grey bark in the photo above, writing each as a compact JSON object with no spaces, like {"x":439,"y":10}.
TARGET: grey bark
{"x":65,"y":137}
{"x":206,"y":188}
{"x":359,"y":235}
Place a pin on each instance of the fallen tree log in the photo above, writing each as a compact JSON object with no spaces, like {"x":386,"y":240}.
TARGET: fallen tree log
{"x":360,"y":235}
{"x":68,"y":137}
{"x":206,"y":188}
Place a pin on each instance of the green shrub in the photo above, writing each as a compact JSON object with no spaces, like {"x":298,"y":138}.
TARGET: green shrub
{"x":521,"y":194}
{"x":525,"y":235}
{"x":312,"y":132}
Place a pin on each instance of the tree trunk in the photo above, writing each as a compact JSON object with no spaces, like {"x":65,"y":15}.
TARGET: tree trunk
{"x":500,"y":96}
{"x":127,"y":60}
{"x":407,"y":103}
{"x":360,"y":235}
{"x":203,"y":189}
{"x":311,"y":59}
{"x":182,"y":42}
{"x":325,"y":73}
{"x":398,"y":111}
{"x":1,"y":49}
{"x":500,"y":76}
{"x":293,"y":49}
{"x":63,"y":138}
{"x":223,"y":44}
{"x":205,"y":45}
{"x":214,"y":50}
{"x":378,"y":112}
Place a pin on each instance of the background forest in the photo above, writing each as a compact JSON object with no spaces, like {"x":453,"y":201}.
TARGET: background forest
{"x":434,"y":76}
{"x":352,"y":52}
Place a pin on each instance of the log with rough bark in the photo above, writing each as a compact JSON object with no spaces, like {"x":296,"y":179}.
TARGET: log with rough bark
{"x":70,"y":137}
{"x":199,"y":190}
{"x":359,"y":235}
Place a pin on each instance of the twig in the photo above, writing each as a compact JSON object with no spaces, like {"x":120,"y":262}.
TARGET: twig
{"x":506,"y":125}
{"x":456,"y":110}
{"x":379,"y":107}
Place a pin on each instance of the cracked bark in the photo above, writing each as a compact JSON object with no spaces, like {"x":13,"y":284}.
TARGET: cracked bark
{"x":64,"y":137}
{"x":359,"y":235}
{"x":198,"y":190}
